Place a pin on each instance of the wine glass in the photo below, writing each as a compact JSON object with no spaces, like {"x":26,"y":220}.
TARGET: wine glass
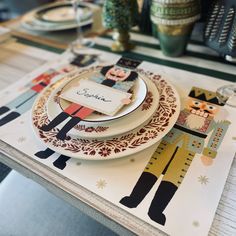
{"x":227,"y":94}
{"x":80,"y":42}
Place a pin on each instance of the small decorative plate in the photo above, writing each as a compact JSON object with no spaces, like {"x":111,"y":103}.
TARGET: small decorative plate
{"x":56,"y":104}
{"x":62,"y":13}
{"x":145,"y":104}
{"x":118,"y":146}
{"x":33,"y":21}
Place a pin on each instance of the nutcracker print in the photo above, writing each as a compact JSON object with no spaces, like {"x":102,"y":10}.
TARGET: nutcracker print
{"x":120,"y":76}
{"x":24,"y":102}
{"x":177,"y":150}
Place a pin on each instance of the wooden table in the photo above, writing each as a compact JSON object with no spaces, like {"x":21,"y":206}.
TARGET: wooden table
{"x":113,"y":217}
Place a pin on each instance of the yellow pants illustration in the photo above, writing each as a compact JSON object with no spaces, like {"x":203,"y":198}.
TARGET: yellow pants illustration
{"x":171,"y":160}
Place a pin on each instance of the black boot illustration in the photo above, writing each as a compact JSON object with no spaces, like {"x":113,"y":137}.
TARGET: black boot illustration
{"x":162,"y":197}
{"x":67,"y":127}
{"x":44,"y":154}
{"x":4,"y":110}
{"x":56,"y":121}
{"x":9,"y":117}
{"x":60,"y":162}
{"x":140,"y":190}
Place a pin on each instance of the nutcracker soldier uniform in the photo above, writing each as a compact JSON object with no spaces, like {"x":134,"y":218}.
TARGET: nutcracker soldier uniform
{"x":177,"y":150}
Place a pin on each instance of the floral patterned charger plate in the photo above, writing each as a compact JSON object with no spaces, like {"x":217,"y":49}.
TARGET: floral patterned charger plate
{"x":118,"y":146}
{"x":145,"y":103}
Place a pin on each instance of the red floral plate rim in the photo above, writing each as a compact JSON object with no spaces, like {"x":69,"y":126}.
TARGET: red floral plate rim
{"x":118,"y":146}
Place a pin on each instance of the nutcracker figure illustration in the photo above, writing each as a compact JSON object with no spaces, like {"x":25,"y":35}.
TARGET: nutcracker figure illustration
{"x":174,"y":155}
{"x":24,"y":102}
{"x":119,"y":76}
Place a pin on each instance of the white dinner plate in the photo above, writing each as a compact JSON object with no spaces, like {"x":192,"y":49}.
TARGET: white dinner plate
{"x":118,"y":146}
{"x":145,"y":102}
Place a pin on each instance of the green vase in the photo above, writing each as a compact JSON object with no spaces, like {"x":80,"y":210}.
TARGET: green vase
{"x":174,"y":20}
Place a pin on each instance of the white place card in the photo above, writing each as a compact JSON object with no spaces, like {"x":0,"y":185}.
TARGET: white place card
{"x":98,"y":97}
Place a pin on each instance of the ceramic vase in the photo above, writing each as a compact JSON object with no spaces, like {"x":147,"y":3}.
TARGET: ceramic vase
{"x":174,"y":21}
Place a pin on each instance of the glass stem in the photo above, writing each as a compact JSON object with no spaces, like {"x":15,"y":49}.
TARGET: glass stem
{"x":79,"y":32}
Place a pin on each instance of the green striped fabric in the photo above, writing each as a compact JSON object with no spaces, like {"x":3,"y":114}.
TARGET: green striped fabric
{"x":39,"y":45}
{"x":149,"y":44}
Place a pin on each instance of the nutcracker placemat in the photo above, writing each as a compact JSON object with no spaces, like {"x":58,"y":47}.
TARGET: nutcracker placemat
{"x":174,"y":185}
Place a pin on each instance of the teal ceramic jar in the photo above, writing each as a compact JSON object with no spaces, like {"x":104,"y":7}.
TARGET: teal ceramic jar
{"x":174,"y":20}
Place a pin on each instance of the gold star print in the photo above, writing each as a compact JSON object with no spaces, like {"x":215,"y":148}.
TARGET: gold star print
{"x":21,"y":139}
{"x":101,"y":184}
{"x":203,"y":179}
{"x":196,"y":223}
{"x":132,"y":160}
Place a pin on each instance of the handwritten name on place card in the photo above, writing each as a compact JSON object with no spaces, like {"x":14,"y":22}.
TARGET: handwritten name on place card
{"x":98,"y":97}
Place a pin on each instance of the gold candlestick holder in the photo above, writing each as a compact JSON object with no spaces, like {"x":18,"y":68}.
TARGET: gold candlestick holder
{"x":121,"y":41}
{"x":120,"y":16}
